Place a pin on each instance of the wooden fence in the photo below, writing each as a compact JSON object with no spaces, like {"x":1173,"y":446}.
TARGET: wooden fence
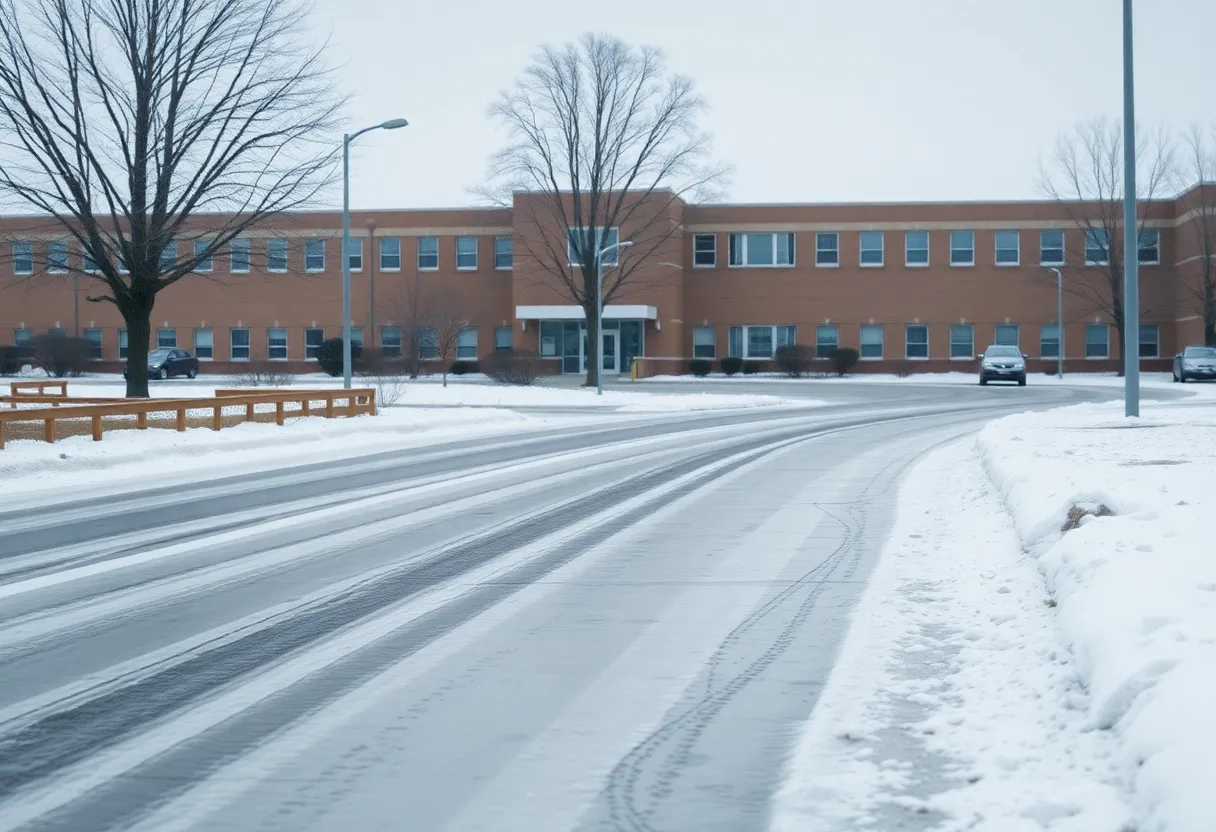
{"x":68,"y":416}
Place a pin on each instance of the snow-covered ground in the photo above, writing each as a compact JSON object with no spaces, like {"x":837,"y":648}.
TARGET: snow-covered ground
{"x":1003,"y":672}
{"x":1070,"y":380}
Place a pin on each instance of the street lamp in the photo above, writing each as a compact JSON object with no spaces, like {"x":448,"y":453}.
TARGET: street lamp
{"x":1131,"y":237}
{"x":1059,"y":324}
{"x":391,"y":124}
{"x":599,"y":311}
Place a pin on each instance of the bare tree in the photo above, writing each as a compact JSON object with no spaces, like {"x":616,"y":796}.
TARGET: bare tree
{"x":1199,"y":273}
{"x":125,"y":119}
{"x":430,"y":317}
{"x":1087,"y":182}
{"x":605,"y":138}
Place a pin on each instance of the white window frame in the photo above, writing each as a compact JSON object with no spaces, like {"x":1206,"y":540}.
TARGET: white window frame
{"x":210,"y":334}
{"x":997,"y":248}
{"x":27,"y":247}
{"x":198,"y":247}
{"x":276,"y":241}
{"x":861,"y":342}
{"x":98,"y":342}
{"x":834,"y":250}
{"x":1106,"y":330}
{"x":606,"y":237}
{"x":240,"y":243}
{"x":163,"y":330}
{"x":310,"y":255}
{"x":970,"y":328}
{"x":1017,"y":330}
{"x":1156,"y":232}
{"x":1105,"y":247}
{"x":466,"y":334}
{"x":428,"y":344}
{"x":431,"y":240}
{"x":465,"y":237}
{"x":166,"y":263}
{"x":510,"y":241}
{"x":51,"y":268}
{"x":861,"y":250}
{"x":820,"y":330}
{"x":510,"y":339}
{"x":87,"y":264}
{"x":1063,"y":247}
{"x":356,"y":336}
{"x":380,"y":253}
{"x":737,"y":243}
{"x":712,"y":346}
{"x":356,"y":250}
{"x":233,"y":346}
{"x":124,"y":344}
{"x":1156,"y":342}
{"x":962,"y":264}
{"x":314,"y":347}
{"x":1045,"y":328}
{"x":396,"y":331}
{"x":908,"y":249}
{"x":271,"y":347}
{"x":713,"y":250}
{"x":907,"y":343}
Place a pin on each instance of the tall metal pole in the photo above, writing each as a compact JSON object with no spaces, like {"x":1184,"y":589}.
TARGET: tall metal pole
{"x":1131,"y":232}
{"x":1059,"y":324}
{"x":599,"y":319}
{"x":346,"y":261}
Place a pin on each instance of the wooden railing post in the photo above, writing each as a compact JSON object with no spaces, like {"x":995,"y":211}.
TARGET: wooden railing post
{"x":181,"y":420}
{"x":278,"y":412}
{"x":141,"y":420}
{"x":329,"y":405}
{"x":371,"y":402}
{"x":1,"y":436}
{"x":97,"y":428}
{"x":48,"y":429}
{"x":304,"y":405}
{"x":249,"y":412}
{"x":216,"y":417}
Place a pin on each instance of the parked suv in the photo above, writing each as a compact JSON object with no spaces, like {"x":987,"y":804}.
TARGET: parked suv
{"x":166,"y":362}
{"x":1003,"y":363}
{"x":1195,"y":362}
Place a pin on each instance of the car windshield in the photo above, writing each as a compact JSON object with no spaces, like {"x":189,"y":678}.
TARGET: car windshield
{"x":1004,"y":352}
{"x":1200,"y":352}
{"x":157,"y":355}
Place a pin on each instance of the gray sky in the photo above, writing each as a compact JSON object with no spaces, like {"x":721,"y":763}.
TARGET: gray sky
{"x":811,"y":100}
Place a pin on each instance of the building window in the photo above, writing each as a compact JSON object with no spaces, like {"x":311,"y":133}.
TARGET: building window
{"x":504,"y":252}
{"x":390,"y":254}
{"x":962,"y":341}
{"x":57,"y":257}
{"x":759,"y":341}
{"x":313,"y":338}
{"x":1051,"y":247}
{"x":1150,"y":341}
{"x":1008,"y":248}
{"x":827,"y":340}
{"x":354,"y":255}
{"x":93,"y":337}
{"x":356,"y":337}
{"x":705,"y":250}
{"x":428,"y":345}
{"x":580,"y":240}
{"x":760,"y":250}
{"x":23,"y":257}
{"x":203,"y":260}
{"x":428,"y":253}
{"x":166,"y":338}
{"x":1049,"y":341}
{"x":827,"y":248}
{"x":503,"y":338}
{"x":239,"y":257}
{"x":962,"y":248}
{"x":88,"y":262}
{"x":390,"y":341}
{"x":916,"y":341}
{"x":466,"y":253}
{"x":168,"y":258}
{"x":1149,"y":251}
{"x":916,"y":248}
{"x":1096,"y":247}
{"x":1006,"y":335}
{"x":204,"y":344}
{"x":466,"y":344}
{"x":57,"y":333}
{"x":871,"y":243}
{"x":276,"y":344}
{"x":704,"y":342}
{"x":871,"y":341}
{"x":123,"y":343}
{"x":276,"y":255}
{"x":1097,"y":341}
{"x":314,"y":255}
{"x":238,"y":344}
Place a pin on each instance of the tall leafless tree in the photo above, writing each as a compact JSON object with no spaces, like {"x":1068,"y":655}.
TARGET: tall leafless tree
{"x":124,"y":120}
{"x":605,"y":137}
{"x":430,"y":317}
{"x":1198,"y":167}
{"x":1086,"y":180}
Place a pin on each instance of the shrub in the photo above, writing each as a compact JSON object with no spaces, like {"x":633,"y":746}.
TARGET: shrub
{"x":461,"y":368}
{"x":390,"y":386}
{"x":750,"y":368}
{"x":795,"y":360}
{"x":699,"y":367}
{"x":10,"y":361}
{"x":59,"y":355}
{"x":845,"y":359}
{"x":731,"y":365}
{"x":513,"y":367}
{"x":262,"y":374}
{"x":329,"y":356}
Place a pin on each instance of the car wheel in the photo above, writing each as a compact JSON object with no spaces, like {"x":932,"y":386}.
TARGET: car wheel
{"x":1174,"y":376}
{"x":191,"y":373}
{"x":983,"y":380}
{"x":1022,"y":381}
{"x":163,"y":374}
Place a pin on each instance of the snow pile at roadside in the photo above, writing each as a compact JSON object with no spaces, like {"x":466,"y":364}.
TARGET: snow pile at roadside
{"x":1136,"y":590}
{"x":936,"y":379}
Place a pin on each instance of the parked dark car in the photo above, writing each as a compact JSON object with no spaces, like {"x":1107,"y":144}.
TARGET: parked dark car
{"x":1003,"y":363}
{"x":1195,"y":363}
{"x":168,"y":362}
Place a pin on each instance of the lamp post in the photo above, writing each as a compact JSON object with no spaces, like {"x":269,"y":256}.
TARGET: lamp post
{"x":599,"y":311}
{"x":1131,"y":236}
{"x":391,"y":124}
{"x":1059,"y":324}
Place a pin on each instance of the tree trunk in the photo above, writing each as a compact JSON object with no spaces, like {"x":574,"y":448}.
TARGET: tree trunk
{"x":138,"y":318}
{"x":593,"y":345}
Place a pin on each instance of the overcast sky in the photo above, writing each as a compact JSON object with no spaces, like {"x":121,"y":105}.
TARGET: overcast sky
{"x":810,"y":100}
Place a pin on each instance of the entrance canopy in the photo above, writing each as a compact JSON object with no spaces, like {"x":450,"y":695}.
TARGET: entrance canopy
{"x":571,"y":312}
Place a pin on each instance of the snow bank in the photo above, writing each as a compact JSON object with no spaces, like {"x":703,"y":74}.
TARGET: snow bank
{"x":1136,"y":591}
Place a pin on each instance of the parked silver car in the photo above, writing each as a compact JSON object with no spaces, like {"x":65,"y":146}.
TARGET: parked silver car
{"x":1195,"y":363}
{"x":1003,"y":363}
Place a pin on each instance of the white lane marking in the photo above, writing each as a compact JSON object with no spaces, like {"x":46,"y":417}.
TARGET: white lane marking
{"x":87,"y":775}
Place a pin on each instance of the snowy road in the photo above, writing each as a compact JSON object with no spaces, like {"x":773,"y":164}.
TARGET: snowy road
{"x":617,"y":627}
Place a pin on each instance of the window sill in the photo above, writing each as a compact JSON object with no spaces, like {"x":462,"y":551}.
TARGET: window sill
{"x":705,"y":265}
{"x":276,"y":271}
{"x":314,"y":271}
{"x":871,"y":265}
{"x":466,"y":268}
{"x":1051,"y":265}
{"x":1098,"y":357}
{"x":762,"y":266}
{"x":870,"y":358}
{"x":238,"y":271}
{"x":916,"y":265}
{"x":427,"y":269}
{"x":916,"y":358}
{"x":504,"y":268}
{"x":827,"y":265}
{"x":970,"y":265}
{"x":387,"y":269}
{"x":1007,"y":265}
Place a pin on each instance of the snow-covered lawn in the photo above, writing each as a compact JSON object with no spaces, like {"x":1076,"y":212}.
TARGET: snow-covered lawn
{"x":1069,"y":380}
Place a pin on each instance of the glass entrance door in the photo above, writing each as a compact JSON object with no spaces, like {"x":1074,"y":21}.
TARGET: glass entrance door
{"x":612,"y":356}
